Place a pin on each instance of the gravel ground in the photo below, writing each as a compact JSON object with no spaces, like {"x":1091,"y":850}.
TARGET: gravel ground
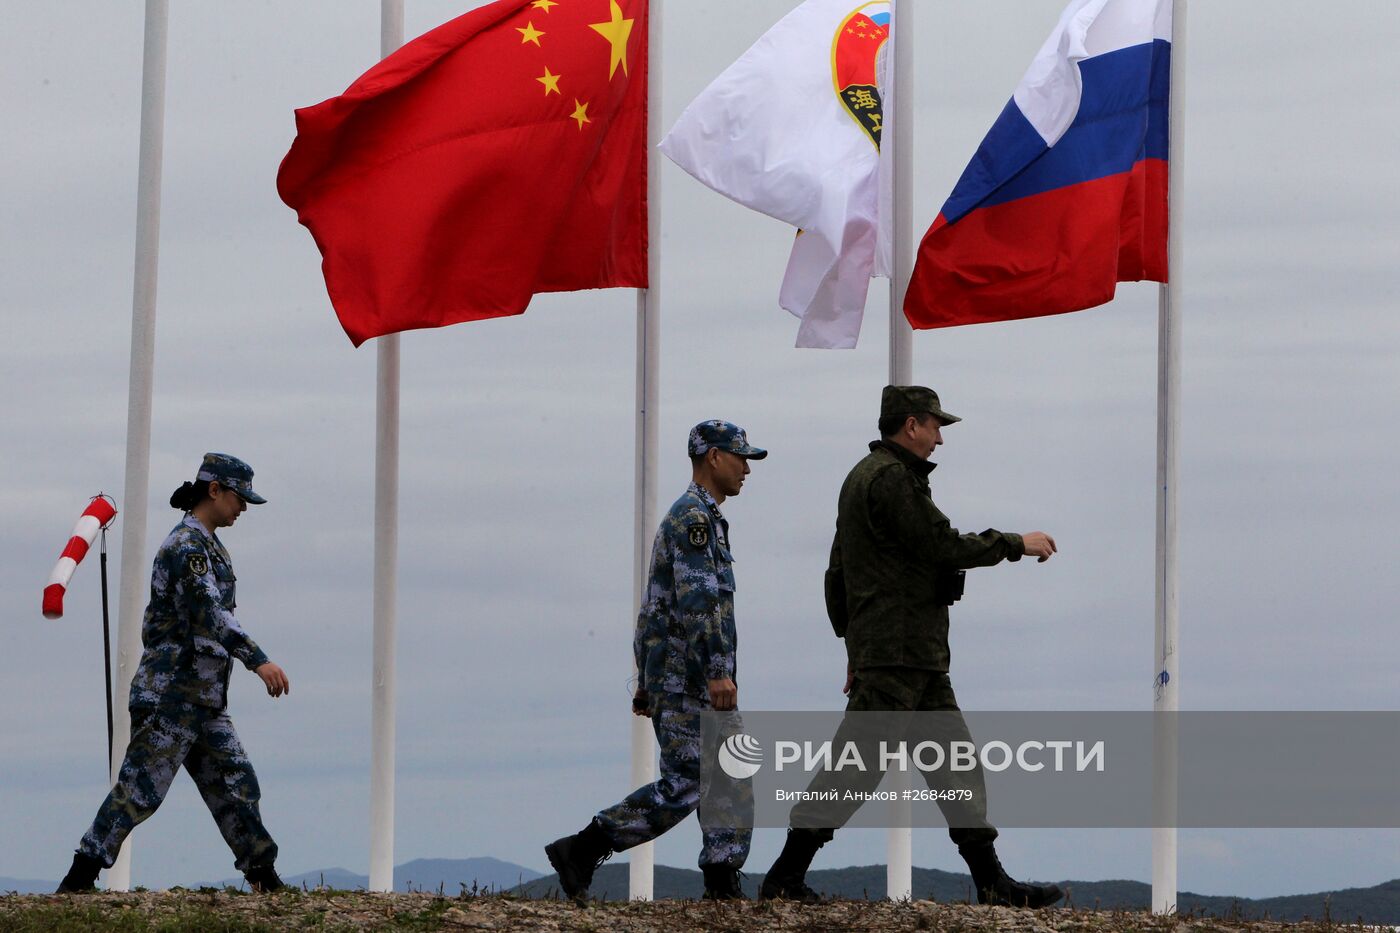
{"x":337,"y":910}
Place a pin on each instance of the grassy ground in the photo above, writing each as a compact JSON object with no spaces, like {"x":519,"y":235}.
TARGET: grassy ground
{"x":210,"y":911}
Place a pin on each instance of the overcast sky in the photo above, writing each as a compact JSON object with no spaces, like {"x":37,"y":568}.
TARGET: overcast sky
{"x":517,"y":442}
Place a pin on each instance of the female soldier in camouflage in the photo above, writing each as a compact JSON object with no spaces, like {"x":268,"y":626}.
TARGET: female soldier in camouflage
{"x":180,"y":690}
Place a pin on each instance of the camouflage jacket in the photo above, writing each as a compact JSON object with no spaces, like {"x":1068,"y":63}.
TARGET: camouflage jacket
{"x":685,"y":631}
{"x":891,"y":544}
{"x":189,"y":633}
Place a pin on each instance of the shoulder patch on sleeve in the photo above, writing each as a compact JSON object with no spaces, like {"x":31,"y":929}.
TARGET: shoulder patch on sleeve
{"x":698,"y":534}
{"x":198,"y":563}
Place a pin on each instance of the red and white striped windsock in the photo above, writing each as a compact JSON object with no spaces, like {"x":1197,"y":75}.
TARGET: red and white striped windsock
{"x":94,"y":517}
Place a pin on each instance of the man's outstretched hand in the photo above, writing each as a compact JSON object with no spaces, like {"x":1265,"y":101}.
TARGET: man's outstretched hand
{"x":1038,"y":545}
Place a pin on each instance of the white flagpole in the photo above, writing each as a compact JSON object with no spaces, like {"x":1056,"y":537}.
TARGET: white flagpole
{"x":386,"y":564}
{"x":641,"y":860}
{"x":136,"y":494}
{"x":1166,"y":699}
{"x":899,"y":864}
{"x":902,"y":226}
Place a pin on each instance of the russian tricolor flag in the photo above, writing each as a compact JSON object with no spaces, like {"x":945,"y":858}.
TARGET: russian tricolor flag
{"x":1067,"y":195}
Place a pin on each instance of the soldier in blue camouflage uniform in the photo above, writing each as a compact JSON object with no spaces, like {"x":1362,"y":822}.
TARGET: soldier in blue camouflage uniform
{"x":685,"y":653}
{"x":180,"y":690}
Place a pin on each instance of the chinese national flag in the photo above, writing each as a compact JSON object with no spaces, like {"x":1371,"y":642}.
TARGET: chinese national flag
{"x":500,"y":155}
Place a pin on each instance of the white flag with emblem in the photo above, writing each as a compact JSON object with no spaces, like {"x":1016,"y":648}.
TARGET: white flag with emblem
{"x":793,"y":129}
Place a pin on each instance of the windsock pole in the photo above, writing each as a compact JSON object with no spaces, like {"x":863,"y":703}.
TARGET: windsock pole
{"x":95,"y":520}
{"x":106,"y":640}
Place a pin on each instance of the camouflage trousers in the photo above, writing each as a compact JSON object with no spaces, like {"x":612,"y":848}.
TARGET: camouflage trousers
{"x":895,"y":689}
{"x":205,"y":743}
{"x":683,"y":788}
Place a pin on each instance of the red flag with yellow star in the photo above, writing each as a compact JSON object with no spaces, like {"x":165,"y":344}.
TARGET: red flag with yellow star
{"x":500,"y":155}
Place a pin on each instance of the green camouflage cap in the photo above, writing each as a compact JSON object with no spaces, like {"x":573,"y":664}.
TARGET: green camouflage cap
{"x":725,"y":436}
{"x":231,"y":473}
{"x":913,"y":400}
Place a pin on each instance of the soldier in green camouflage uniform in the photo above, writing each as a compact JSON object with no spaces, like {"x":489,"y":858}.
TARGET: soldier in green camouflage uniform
{"x":894,"y":571}
{"x":685,"y":650}
{"x":180,"y":690}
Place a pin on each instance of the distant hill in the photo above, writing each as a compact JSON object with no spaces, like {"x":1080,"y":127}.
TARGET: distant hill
{"x":1375,"y":905}
{"x":338,"y":878}
{"x":428,"y":874}
{"x":26,"y":886}
{"x":424,"y":874}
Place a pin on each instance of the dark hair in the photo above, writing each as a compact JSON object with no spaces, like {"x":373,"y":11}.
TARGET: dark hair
{"x":890,"y":424}
{"x":190,"y":495}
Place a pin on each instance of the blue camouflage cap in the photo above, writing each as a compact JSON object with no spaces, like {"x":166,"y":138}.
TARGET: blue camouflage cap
{"x":722,"y":435}
{"x":231,"y":473}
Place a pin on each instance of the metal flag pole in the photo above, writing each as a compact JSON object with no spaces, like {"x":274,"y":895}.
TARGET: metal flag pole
{"x":139,"y":391}
{"x":899,"y":867}
{"x":386,"y":566}
{"x":106,"y":639}
{"x":1166,"y":699}
{"x":902,"y":225}
{"x":641,"y":860}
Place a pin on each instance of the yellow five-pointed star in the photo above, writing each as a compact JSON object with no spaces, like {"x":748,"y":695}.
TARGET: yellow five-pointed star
{"x":550,"y":82}
{"x":544,"y":4}
{"x":616,"y":31}
{"x":580,"y":113}
{"x":529,"y":34}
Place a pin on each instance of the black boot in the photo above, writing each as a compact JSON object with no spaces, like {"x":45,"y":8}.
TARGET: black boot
{"x":722,"y":883}
{"x":577,"y":857}
{"x":263,"y":879}
{"x":787,"y":879}
{"x":995,"y":886}
{"x":82,"y":877}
